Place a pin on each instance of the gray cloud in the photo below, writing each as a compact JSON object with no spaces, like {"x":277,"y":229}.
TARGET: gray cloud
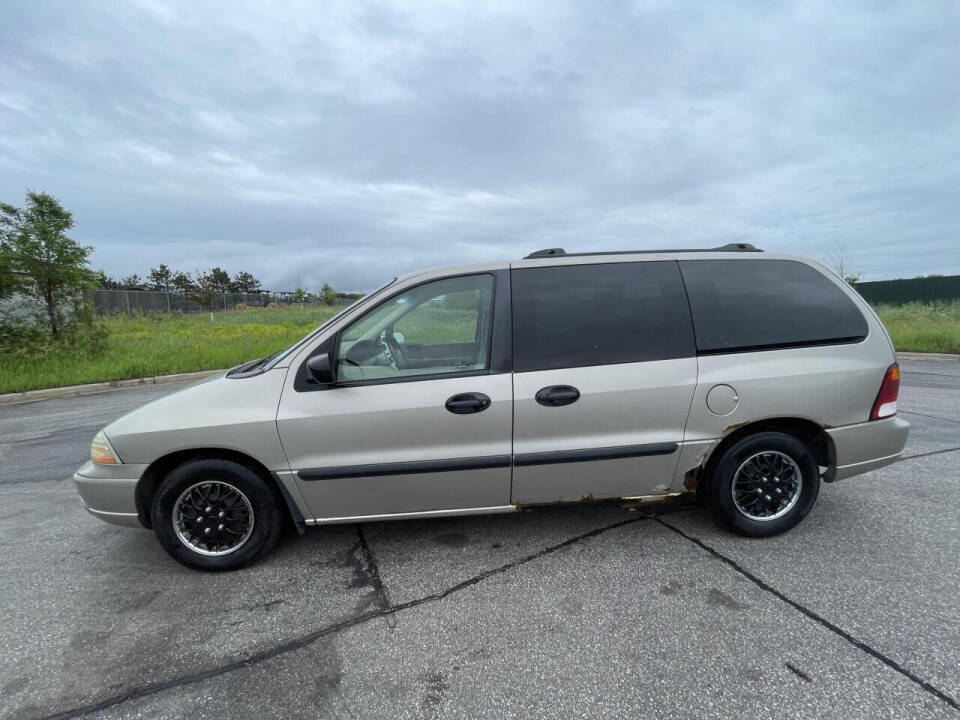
{"x":350,"y":143}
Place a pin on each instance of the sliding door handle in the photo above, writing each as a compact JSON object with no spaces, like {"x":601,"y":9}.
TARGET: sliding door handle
{"x":557,"y":395}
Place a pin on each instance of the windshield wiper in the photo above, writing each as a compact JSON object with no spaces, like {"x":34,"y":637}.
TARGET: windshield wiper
{"x":251,"y":368}
{"x":263,"y":361}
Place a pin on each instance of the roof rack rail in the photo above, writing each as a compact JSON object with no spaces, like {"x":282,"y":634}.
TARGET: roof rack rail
{"x":729,"y":247}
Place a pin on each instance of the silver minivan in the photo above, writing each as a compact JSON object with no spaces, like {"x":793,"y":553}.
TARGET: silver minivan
{"x":743,"y":376}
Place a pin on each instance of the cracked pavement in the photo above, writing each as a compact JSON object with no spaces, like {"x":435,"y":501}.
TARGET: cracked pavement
{"x":579,"y":611}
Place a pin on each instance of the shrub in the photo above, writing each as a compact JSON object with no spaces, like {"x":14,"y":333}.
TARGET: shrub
{"x":86,"y":339}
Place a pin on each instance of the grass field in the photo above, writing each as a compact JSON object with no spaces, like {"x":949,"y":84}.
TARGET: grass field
{"x":923,"y":328}
{"x":147,"y":345}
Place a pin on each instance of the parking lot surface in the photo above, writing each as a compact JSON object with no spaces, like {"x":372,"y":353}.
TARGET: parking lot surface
{"x":580,"y":611}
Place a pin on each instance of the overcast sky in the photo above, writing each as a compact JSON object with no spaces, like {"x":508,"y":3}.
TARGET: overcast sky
{"x":310,"y":142}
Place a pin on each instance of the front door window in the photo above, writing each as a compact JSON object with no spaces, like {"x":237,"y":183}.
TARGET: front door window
{"x":437,"y":328}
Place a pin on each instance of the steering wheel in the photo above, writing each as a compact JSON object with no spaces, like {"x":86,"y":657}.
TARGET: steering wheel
{"x":393,"y":351}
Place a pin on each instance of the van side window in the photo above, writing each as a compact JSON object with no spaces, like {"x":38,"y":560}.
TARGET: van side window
{"x":583,"y":315}
{"x":432,"y":329}
{"x":740,"y":305}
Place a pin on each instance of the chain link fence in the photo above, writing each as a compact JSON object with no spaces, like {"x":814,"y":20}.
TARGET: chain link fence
{"x":131,"y":302}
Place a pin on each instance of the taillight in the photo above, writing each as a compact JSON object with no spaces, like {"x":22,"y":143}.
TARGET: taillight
{"x":886,"y":403}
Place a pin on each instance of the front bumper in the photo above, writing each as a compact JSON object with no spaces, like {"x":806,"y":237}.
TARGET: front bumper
{"x":109,"y":491}
{"x":867,"y":446}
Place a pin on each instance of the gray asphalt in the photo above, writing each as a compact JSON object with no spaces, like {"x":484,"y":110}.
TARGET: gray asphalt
{"x":581,"y":611}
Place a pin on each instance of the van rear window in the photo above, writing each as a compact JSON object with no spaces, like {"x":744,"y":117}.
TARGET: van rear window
{"x":766,"y":304}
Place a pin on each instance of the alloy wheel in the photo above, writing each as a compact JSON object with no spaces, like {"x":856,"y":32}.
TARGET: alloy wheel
{"x":766,"y":486}
{"x":213,"y":518}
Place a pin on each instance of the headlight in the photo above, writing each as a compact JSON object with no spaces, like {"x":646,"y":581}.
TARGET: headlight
{"x":101,"y":452}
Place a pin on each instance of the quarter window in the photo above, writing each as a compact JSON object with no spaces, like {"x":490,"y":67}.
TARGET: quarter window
{"x":436,"y":328}
{"x":766,"y":304}
{"x":582,"y":315}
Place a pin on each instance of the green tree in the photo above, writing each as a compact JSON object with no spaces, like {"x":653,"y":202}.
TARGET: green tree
{"x":298,"y":295}
{"x":160,"y":278}
{"x":244,"y":282}
{"x":105,"y":282}
{"x":9,"y":279}
{"x":205,"y":287}
{"x":131,"y":282}
{"x":328,"y":295}
{"x":218,"y":280}
{"x":53,"y":267}
{"x":182,"y":282}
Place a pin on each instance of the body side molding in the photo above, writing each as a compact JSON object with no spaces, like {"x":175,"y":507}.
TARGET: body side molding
{"x":406,"y":468}
{"x":605,"y":453}
{"x":488,"y":462}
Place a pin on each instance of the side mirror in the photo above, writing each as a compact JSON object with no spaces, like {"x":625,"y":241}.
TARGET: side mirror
{"x":321,"y":369}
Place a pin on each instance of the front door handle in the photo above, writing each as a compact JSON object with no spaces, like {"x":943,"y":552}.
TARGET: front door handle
{"x":466,"y":403}
{"x":557,"y":395}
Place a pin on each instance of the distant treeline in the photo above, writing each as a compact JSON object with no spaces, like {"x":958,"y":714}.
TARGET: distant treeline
{"x":164,"y":279}
{"x":205,"y":282}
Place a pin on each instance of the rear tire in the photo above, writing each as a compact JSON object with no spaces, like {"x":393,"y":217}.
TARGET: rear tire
{"x":762,"y":485}
{"x":212,"y":514}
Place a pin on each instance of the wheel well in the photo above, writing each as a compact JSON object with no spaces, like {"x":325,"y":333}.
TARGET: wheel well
{"x":161,"y":467}
{"x":807,"y":431}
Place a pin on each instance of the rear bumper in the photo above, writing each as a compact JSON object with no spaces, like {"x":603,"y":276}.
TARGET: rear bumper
{"x":109,"y":492}
{"x":867,"y":446}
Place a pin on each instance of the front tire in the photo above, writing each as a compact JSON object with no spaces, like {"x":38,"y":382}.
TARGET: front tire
{"x":762,"y":485}
{"x":213,"y":514}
